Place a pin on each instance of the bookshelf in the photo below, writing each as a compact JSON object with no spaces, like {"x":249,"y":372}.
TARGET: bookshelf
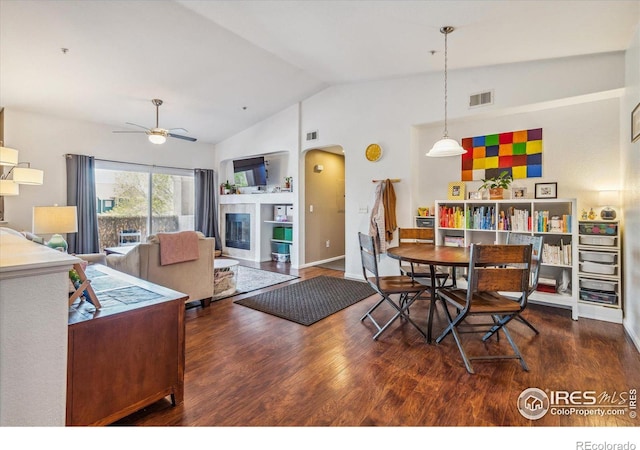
{"x":464,"y":222}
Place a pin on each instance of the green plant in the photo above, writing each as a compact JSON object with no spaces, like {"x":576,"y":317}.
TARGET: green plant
{"x":503,"y":180}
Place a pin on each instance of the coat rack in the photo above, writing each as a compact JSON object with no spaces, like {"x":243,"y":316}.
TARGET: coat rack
{"x":393,"y":180}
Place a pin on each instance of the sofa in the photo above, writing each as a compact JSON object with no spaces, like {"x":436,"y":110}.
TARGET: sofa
{"x":194,"y":278}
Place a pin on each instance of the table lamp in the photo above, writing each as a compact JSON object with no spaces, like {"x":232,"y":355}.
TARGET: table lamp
{"x":55,"y":220}
{"x":607,"y":199}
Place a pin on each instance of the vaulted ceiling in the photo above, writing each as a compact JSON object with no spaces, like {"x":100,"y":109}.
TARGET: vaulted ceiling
{"x":221,"y":66}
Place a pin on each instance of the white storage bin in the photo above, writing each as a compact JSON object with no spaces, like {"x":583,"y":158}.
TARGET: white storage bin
{"x":592,"y":267}
{"x":280,"y":257}
{"x":599,"y":285}
{"x":598,"y":240}
{"x":602,"y":257}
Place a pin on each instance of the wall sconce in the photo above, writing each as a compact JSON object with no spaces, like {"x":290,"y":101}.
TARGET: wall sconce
{"x":19,"y":175}
{"x":318,"y":168}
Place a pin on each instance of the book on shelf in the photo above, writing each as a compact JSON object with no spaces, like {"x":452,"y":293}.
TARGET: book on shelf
{"x":557,"y":254}
{"x":544,"y":222}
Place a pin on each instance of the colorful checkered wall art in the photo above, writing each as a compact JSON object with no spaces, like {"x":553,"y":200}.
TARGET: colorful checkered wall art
{"x":517,"y":152}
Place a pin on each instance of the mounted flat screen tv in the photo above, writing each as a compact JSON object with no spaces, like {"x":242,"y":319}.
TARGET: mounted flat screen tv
{"x":250,"y":172}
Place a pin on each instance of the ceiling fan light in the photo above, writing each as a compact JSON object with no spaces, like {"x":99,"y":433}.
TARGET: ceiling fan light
{"x":157,"y":138}
{"x":446,"y":147}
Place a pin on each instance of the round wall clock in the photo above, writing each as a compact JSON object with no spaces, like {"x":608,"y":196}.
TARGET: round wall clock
{"x":373,"y":152}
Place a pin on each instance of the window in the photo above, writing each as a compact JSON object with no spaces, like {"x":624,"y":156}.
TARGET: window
{"x":135,"y":201}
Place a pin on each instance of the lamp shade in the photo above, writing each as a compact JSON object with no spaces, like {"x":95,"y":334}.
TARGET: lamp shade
{"x":608,"y":198}
{"x":55,"y":219}
{"x":446,"y":147}
{"x":27,"y":175}
{"x":8,"y":156}
{"x":9,"y":187}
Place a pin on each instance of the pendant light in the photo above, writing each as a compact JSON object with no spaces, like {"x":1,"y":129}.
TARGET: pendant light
{"x":446,"y":146}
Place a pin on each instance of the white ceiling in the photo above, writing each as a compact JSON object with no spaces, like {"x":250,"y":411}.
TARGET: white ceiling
{"x":208,"y":60}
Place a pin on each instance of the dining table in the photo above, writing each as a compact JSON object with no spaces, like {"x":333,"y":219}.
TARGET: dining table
{"x":433,"y":256}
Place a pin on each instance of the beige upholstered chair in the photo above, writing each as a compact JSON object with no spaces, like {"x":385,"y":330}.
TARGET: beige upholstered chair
{"x":194,"y":278}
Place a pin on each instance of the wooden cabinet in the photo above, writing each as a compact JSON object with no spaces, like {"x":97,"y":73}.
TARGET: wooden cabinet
{"x":463,"y":222}
{"x":126,"y":355}
{"x":600,"y":270}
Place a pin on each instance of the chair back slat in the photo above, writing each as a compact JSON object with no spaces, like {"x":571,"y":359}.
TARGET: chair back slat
{"x":499,"y":279}
{"x":415,"y":234}
{"x":368,"y":256}
{"x":499,"y":268}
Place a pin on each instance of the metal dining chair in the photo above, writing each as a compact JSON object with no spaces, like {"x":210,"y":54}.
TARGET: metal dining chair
{"x":398,"y":291}
{"x":492,"y":269}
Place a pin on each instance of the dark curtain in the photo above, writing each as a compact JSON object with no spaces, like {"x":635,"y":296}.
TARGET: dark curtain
{"x":81,"y":192}
{"x":206,"y":206}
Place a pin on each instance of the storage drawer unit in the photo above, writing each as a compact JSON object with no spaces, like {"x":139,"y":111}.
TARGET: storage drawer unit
{"x":425,"y":222}
{"x":599,"y":257}
{"x":602,"y":269}
{"x":598,"y":240}
{"x":599,"y":285}
{"x":598,"y":297}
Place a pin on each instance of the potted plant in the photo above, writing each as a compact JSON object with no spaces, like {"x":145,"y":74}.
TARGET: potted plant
{"x":497,"y":185}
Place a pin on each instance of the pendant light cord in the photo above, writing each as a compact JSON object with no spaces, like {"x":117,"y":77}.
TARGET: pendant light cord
{"x":446,"y":31}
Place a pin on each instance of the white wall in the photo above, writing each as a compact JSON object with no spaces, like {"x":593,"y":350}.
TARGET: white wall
{"x":631,"y":193}
{"x":356,"y":115}
{"x":581,"y":143}
{"x":43,"y":140}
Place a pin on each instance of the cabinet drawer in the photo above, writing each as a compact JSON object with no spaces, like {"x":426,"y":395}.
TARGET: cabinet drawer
{"x":598,"y":297}
{"x":603,"y":269}
{"x":599,"y":285}
{"x":601,"y":257}
{"x":598,"y":240}
{"x":610,"y":229}
{"x":425,"y":222}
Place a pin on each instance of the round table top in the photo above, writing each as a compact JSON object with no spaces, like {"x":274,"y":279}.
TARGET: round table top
{"x":223,"y":263}
{"x":439,"y":255}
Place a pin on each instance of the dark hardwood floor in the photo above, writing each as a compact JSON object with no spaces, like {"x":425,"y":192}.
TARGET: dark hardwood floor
{"x":247,"y":368}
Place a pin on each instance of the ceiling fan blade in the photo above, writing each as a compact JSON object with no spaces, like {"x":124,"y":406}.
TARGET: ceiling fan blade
{"x":182,"y":130}
{"x":123,"y":131}
{"x":186,"y":138}
{"x":136,"y":125}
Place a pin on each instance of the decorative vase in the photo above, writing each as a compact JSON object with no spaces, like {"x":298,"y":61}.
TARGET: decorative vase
{"x":496,"y":193}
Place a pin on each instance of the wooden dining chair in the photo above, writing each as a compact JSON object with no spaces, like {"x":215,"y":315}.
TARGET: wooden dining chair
{"x":424,"y":236}
{"x":492,"y":269}
{"x":398,"y":291}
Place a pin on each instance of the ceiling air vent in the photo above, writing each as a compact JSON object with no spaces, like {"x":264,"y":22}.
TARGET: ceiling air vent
{"x":481,"y":99}
{"x":312,"y":135}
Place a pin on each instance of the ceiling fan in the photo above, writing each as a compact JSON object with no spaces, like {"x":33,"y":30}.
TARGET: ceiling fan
{"x":159,"y":135}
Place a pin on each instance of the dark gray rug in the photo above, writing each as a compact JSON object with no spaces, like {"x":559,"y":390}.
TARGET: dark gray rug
{"x":310,"y":300}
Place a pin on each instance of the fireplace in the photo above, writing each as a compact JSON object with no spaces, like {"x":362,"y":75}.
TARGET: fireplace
{"x":238,"y":230}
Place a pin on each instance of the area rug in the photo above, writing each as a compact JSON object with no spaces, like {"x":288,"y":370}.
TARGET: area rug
{"x":311,"y":300}
{"x":250,"y":279}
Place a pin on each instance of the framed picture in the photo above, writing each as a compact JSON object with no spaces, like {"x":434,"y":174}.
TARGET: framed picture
{"x":546,"y":190}
{"x":456,"y":191}
{"x":635,"y":123}
{"x":519,"y":192}
{"x":477,"y":195}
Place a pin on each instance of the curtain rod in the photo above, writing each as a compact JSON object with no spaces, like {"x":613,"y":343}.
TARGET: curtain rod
{"x":393,"y":180}
{"x":67,"y":155}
